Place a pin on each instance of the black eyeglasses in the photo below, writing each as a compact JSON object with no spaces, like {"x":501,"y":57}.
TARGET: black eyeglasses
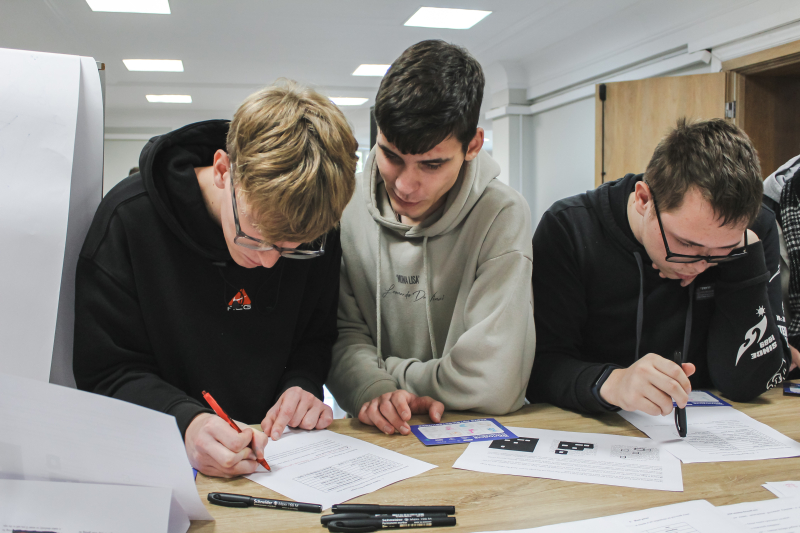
{"x":681,"y":258}
{"x":304,"y":251}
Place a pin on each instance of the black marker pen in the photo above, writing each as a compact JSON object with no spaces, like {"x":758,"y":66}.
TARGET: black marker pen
{"x":392,"y":509}
{"x":240,"y":500}
{"x":328,"y":518}
{"x":365,"y":525}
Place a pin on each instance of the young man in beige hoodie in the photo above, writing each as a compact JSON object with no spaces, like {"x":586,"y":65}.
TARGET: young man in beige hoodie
{"x":435,"y":302}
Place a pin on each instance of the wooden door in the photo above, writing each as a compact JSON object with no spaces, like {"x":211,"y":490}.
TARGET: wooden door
{"x":766,"y":89}
{"x":637,"y":114}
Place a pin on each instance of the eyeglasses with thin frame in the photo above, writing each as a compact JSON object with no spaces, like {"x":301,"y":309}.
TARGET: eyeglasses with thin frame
{"x":304,"y":251}
{"x":682,"y":258}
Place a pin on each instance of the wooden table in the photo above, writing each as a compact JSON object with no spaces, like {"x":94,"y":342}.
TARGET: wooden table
{"x":486,"y":502}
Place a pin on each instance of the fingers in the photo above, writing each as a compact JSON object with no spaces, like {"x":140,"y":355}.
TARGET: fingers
{"x":311,"y":416}
{"x":688,"y":369}
{"x":258,"y":443}
{"x":429,"y":406}
{"x":373,"y":414}
{"x":228,"y":437}
{"x":269,"y":420}
{"x":389,"y":412}
{"x":285,"y":411}
{"x":325,"y":418}
{"x":401,"y":404}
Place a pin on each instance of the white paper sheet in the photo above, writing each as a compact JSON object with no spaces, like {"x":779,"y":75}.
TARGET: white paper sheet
{"x":38,"y":113}
{"x":715,"y":434}
{"x":86,"y":191}
{"x":326,"y":468}
{"x":582,"y":457}
{"x":783,"y":489}
{"x":697,"y":516}
{"x":60,"y":434}
{"x":782,"y":514}
{"x":80,"y":507}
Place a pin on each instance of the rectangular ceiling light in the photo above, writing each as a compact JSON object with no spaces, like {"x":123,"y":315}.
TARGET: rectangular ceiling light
{"x":371,"y":70}
{"x":169,"y":98}
{"x":160,"y":7}
{"x":154,"y":65}
{"x":439,"y":17}
{"x":347,"y":100}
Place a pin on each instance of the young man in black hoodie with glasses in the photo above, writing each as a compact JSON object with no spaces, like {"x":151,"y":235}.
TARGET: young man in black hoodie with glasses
{"x":656,"y":283}
{"x":194,"y":275}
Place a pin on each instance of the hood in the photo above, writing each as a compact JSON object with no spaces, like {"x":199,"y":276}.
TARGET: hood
{"x":473,"y":179}
{"x":610,"y":201}
{"x":167,"y":166}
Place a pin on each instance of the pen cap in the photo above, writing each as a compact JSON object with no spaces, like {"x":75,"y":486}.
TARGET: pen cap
{"x":229,"y":500}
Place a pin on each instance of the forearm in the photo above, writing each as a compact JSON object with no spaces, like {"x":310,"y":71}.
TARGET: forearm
{"x":355,"y":377}
{"x":746,"y":354}
{"x":565,"y":381}
{"x":487,"y":367}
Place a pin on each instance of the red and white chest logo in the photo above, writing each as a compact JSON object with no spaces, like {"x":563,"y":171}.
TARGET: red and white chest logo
{"x":240,"y":302}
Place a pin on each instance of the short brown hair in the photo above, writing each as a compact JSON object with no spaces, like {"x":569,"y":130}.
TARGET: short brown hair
{"x":432,"y":91}
{"x":716,"y":157}
{"x":294,"y":160}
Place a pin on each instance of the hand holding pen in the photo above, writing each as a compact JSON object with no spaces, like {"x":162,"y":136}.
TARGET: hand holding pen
{"x":215,"y":450}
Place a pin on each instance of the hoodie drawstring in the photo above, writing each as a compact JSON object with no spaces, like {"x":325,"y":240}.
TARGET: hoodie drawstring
{"x":428,"y":294}
{"x":687,"y":329}
{"x":640,"y":305}
{"x":378,"y":297}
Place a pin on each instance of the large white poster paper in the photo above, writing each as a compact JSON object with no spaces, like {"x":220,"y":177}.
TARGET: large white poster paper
{"x":51,"y":148}
{"x":55,"y":433}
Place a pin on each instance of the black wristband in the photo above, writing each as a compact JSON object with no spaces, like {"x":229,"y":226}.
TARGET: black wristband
{"x":598,"y":384}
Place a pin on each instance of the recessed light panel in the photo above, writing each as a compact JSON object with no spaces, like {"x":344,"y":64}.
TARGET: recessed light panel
{"x":169,"y":98}
{"x":347,"y":100}
{"x":160,"y":7}
{"x":371,"y":70}
{"x":454,"y":19}
{"x":154,"y":65}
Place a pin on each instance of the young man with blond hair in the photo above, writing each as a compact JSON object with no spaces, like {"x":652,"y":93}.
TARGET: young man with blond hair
{"x":217,"y":268}
{"x":435,"y":307}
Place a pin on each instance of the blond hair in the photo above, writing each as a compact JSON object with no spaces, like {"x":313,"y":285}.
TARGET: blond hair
{"x":293,"y":157}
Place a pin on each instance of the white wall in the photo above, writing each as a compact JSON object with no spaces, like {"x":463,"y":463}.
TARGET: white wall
{"x":562,"y":154}
{"x":119,"y":157}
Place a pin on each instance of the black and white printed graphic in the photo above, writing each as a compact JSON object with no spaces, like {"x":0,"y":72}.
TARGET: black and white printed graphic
{"x":635,"y":453}
{"x":515,"y":445}
{"x":573,"y":448}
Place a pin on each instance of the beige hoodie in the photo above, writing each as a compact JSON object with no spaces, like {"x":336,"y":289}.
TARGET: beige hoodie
{"x":448,"y":302}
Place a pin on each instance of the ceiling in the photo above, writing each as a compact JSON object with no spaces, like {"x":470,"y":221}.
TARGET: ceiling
{"x":230,"y":48}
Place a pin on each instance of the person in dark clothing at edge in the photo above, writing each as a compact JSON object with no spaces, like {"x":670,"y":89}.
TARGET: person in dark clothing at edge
{"x":630,"y":276}
{"x":191,"y":277}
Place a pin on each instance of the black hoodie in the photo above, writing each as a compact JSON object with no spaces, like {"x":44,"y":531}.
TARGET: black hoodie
{"x":162,"y":312}
{"x":596,"y":301}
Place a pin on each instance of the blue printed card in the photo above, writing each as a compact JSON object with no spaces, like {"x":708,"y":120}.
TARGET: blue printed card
{"x":791,"y":389}
{"x":701,"y":398}
{"x":460,"y":432}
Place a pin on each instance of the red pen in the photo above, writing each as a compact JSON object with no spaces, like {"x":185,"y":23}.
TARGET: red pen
{"x":217,"y":409}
